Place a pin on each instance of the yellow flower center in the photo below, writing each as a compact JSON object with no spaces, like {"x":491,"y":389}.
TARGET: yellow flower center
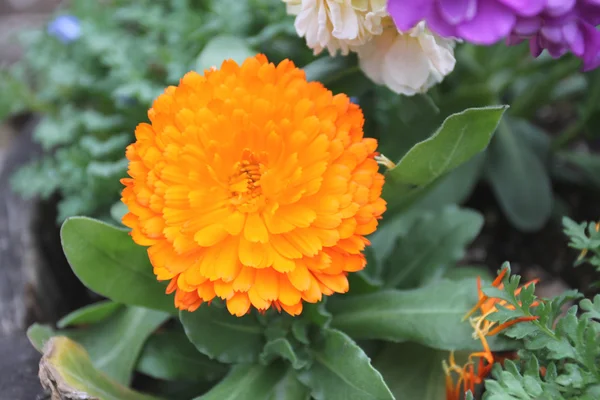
{"x":244,"y":184}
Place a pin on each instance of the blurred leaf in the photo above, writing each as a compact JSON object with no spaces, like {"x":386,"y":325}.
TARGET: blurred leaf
{"x":118,"y":211}
{"x":66,"y":368}
{"x":430,"y":315}
{"x":169,"y":355}
{"x":247,"y":381}
{"x":586,"y":164}
{"x":223,"y":48}
{"x":413,"y":371}
{"x":402,"y":121}
{"x":282,"y":348}
{"x":519,"y":179}
{"x":338,"y":74}
{"x":222,"y":336}
{"x":435,"y":239}
{"x":102,"y":148}
{"x":89,"y":314}
{"x":460,"y":138}
{"x":455,"y":187}
{"x":290,"y":388}
{"x":39,"y":335}
{"x":115,"y":344}
{"x":108,"y":262}
{"x":464,"y":272}
{"x":537,"y":89}
{"x":342,"y":371}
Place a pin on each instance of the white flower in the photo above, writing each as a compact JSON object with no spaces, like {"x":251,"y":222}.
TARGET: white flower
{"x":407,"y":63}
{"x":337,"y":24}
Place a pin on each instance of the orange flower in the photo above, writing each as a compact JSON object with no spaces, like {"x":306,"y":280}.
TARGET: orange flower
{"x":468,"y":375}
{"x":253,"y":185}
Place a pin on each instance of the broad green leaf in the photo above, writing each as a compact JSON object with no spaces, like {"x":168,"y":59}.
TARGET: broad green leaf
{"x":39,"y":335}
{"x":455,"y":187}
{"x":247,"y":381}
{"x":588,"y":166}
{"x":430,"y":315}
{"x":89,"y":314}
{"x":115,"y":344}
{"x":464,"y":272}
{"x":223,"y":48}
{"x":282,"y":348}
{"x":342,"y":371}
{"x":290,"y":388}
{"x":317,"y":313}
{"x":169,"y":355}
{"x":519,"y":179}
{"x":222,"y":336}
{"x":460,"y":138}
{"x":412,"y":371}
{"x":67,"y":368}
{"x":108,"y":262}
{"x":436,"y":239}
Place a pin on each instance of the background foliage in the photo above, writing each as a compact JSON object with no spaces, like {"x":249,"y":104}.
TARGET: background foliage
{"x":388,"y":337}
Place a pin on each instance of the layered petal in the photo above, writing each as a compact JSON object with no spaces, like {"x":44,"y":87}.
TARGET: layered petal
{"x":252,"y":185}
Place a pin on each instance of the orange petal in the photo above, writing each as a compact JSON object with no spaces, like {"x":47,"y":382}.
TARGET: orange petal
{"x":238,"y":304}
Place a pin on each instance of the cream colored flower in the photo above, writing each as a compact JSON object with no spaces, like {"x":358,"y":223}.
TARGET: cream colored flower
{"x":337,"y":24}
{"x":407,"y":63}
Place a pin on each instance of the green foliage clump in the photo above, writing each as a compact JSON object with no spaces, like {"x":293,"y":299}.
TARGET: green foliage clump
{"x":93,"y":91}
{"x":560,"y":358}
{"x":586,"y":238}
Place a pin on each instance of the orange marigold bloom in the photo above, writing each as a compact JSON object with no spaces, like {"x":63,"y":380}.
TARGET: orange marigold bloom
{"x":253,"y":185}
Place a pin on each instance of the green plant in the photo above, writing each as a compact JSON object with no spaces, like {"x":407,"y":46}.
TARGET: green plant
{"x":93,"y":90}
{"x":561,"y":354}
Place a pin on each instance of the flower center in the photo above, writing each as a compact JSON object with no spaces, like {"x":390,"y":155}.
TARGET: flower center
{"x":244,"y":184}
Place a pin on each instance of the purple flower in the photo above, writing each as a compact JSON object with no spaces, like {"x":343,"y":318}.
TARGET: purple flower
{"x":560,"y":26}
{"x":65,"y":28}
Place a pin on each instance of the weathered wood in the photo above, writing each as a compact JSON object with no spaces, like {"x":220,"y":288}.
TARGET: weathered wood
{"x":19,"y":369}
{"x":36,"y":283}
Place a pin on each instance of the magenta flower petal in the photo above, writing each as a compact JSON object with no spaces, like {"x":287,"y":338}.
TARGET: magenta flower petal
{"x":493,"y":22}
{"x":408,"y":13}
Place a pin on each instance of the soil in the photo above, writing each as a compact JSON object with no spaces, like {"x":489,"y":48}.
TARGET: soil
{"x":543,"y":254}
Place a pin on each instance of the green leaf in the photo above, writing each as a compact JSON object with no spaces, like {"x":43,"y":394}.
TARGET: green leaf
{"x":338,"y":74}
{"x":169,"y":355}
{"x":222,"y":336}
{"x":108,"y":262}
{"x":430,"y":315}
{"x":519,"y":179}
{"x":436,"y":239}
{"x":290,"y":388}
{"x":223,"y":48}
{"x":460,"y":138}
{"x":453,"y":188}
{"x":341,"y":371}
{"x":89,"y":314}
{"x":247,"y":381}
{"x":118,"y":211}
{"x":282,"y":348}
{"x":413,"y":371}
{"x":588,"y":165}
{"x":66,"y":366}
{"x":115,"y":344}
{"x":39,"y":335}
